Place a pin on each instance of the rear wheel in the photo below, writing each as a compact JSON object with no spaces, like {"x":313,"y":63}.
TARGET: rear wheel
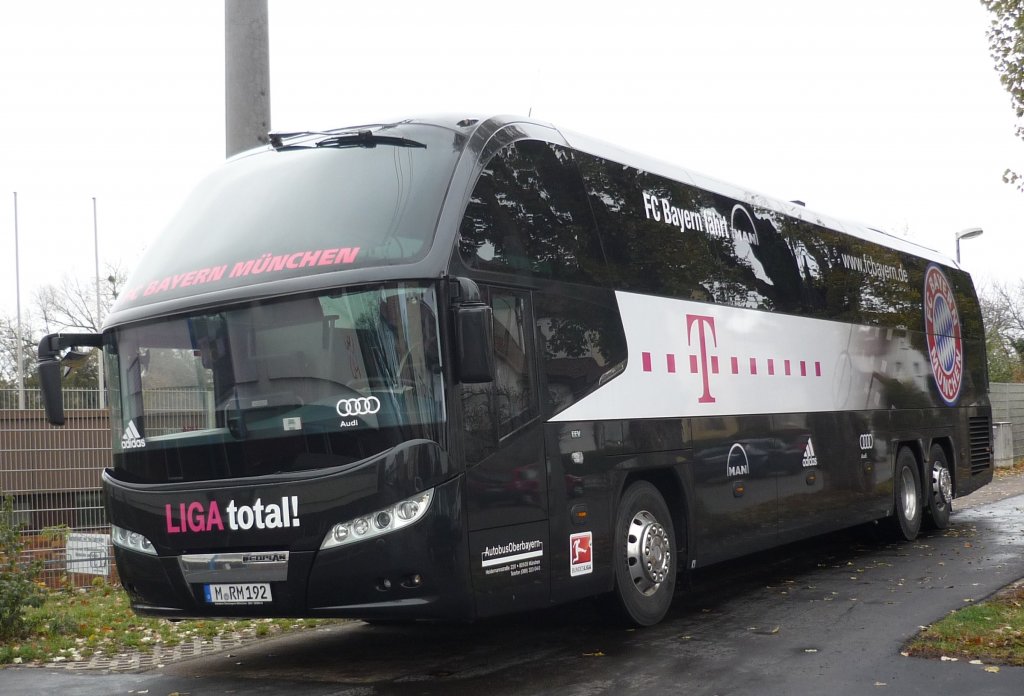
{"x":645,"y":555}
{"x":940,"y":489}
{"x":906,"y":519}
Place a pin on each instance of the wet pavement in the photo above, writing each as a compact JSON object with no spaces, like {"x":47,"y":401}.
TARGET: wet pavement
{"x":830,"y":614}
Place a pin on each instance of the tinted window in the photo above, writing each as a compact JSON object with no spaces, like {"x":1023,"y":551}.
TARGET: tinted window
{"x":758,"y":268}
{"x":295,"y":212}
{"x":967,"y":303}
{"x":584,"y":346}
{"x":528,"y":214}
{"x":849,"y":279}
{"x":646,"y":252}
{"x":497,"y":409}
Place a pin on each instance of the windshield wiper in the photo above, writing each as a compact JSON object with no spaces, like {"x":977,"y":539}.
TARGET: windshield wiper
{"x":363,"y":138}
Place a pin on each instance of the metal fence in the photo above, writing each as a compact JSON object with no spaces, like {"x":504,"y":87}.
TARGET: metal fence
{"x":53,"y":476}
{"x":73,"y":399}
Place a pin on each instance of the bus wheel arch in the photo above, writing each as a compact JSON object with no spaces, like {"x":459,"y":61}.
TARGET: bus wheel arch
{"x":938,"y":484}
{"x":645,"y":554}
{"x":908,"y":511}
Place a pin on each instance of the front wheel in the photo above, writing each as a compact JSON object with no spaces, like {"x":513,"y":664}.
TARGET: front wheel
{"x":645,"y":555}
{"x":940,"y":488}
{"x":906,"y":519}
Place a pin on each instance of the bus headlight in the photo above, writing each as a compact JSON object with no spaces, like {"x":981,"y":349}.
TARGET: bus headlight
{"x":379,"y":522}
{"x":133,"y":541}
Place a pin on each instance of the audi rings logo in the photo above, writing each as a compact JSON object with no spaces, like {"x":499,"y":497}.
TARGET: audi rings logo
{"x":867,"y":441}
{"x":363,"y":406}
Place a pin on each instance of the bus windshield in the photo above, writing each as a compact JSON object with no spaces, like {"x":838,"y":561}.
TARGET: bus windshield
{"x":272,"y":387}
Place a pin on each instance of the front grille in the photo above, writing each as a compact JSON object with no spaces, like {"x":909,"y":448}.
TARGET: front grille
{"x":980,"y":432}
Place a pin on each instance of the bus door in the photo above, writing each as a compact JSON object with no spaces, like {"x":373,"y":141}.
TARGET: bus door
{"x":505,"y":468}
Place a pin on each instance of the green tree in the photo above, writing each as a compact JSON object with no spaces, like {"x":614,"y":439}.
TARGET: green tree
{"x":1006,"y":42}
{"x":18,"y":576}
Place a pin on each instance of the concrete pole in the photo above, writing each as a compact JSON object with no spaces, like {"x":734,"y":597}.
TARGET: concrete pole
{"x":246,"y":74}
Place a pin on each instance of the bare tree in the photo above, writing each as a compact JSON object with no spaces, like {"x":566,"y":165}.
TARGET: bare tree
{"x":69,"y":305}
{"x":72,"y":303}
{"x":9,"y":351}
{"x":1002,"y":307}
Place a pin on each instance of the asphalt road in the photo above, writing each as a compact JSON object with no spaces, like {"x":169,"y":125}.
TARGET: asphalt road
{"x":825,"y":616}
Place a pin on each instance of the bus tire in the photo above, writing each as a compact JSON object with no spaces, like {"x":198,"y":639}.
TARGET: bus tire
{"x":906,"y":518}
{"x":940,"y":488}
{"x":645,"y":555}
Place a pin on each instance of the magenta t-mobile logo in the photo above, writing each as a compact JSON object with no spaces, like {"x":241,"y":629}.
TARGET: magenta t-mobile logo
{"x":705,"y":330}
{"x":706,"y":359}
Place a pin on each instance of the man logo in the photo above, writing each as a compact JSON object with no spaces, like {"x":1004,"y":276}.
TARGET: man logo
{"x":364,"y":406}
{"x":942,"y":331}
{"x":737,"y":463}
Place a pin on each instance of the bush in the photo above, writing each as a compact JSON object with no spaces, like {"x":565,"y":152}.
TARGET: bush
{"x":18,"y":577}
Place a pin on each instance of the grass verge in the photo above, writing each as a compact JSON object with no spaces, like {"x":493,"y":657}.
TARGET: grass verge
{"x":73,"y":625}
{"x":991,"y":631}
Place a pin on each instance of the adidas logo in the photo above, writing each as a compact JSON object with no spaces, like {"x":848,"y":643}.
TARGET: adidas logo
{"x":810,"y":459}
{"x":131,"y":438}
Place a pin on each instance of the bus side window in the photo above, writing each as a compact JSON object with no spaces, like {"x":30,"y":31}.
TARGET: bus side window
{"x":582,"y":344}
{"x":529,"y":215}
{"x":645,"y":252}
{"x":495,"y":410}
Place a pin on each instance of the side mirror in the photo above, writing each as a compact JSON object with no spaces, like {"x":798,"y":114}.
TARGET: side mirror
{"x":50,"y":390}
{"x":50,"y":369}
{"x":474,"y":328}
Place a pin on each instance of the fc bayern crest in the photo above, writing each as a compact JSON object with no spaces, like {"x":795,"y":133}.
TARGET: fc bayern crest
{"x":942,"y":329}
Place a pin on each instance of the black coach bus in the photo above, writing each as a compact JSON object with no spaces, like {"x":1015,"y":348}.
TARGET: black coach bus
{"x":453,"y":368}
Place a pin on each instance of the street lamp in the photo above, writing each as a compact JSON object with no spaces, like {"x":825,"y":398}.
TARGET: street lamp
{"x":969,"y":233}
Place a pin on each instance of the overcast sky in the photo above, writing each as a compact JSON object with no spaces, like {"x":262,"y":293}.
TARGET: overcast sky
{"x":887,"y":113}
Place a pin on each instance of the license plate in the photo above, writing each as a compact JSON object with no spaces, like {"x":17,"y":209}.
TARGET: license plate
{"x":237,"y":593}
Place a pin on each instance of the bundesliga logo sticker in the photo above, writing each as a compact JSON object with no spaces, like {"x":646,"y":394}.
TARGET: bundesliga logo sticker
{"x":942,"y":330}
{"x":581,"y":554}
